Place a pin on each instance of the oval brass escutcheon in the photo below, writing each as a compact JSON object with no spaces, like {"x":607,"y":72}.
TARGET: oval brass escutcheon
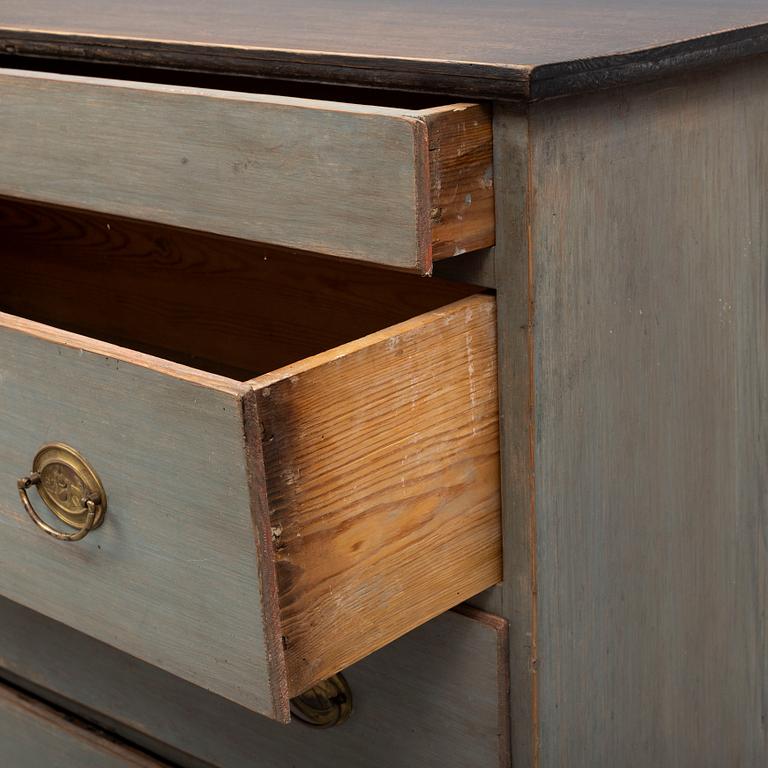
{"x":66,"y":482}
{"x":325,"y":705}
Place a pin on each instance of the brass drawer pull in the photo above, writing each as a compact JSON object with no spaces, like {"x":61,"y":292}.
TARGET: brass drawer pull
{"x":70,"y":489}
{"x":325,"y":705}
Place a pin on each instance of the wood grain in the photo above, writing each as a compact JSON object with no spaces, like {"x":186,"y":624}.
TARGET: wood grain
{"x":33,"y":734}
{"x":173,"y":575}
{"x":649,"y":237}
{"x":516,"y":598}
{"x":221,"y":305}
{"x":430,"y":699}
{"x":487,"y":49}
{"x":345,"y":180}
{"x":461,"y":178}
{"x":381,"y":462}
{"x":368,"y":474}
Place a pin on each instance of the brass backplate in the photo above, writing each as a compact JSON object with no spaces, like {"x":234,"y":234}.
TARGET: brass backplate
{"x":66,"y":480}
{"x":325,"y":705}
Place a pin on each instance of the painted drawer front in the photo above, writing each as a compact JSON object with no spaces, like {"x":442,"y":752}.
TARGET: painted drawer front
{"x":34,"y":735}
{"x":262,"y":534}
{"x":436,"y":698}
{"x":379,"y":184}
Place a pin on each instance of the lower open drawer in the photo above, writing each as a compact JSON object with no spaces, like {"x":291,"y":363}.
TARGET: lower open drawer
{"x":261,"y":532}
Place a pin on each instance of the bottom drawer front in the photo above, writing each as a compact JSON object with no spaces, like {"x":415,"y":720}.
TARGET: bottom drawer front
{"x":34,"y":735}
{"x":436,"y":698}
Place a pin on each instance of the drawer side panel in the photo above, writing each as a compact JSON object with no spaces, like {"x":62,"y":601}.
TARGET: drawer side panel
{"x":382,"y":477}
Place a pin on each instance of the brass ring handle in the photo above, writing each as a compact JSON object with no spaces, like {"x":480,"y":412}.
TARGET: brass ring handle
{"x":69,"y":486}
{"x":325,"y":705}
{"x":89,"y":510}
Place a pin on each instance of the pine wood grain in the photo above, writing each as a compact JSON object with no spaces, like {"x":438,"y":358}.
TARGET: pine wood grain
{"x":461,"y":178}
{"x":345,"y":180}
{"x":33,"y":734}
{"x":381,"y":472}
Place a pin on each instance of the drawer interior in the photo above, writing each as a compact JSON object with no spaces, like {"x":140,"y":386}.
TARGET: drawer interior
{"x":224,"y":306}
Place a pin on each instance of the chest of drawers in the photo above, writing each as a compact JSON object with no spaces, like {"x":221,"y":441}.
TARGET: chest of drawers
{"x":394,"y":372}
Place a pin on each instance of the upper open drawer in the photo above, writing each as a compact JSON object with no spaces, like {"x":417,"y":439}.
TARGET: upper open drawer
{"x":391,"y":186}
{"x":299,"y":458}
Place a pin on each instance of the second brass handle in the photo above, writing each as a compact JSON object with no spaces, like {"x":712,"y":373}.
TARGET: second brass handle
{"x":90,"y":510}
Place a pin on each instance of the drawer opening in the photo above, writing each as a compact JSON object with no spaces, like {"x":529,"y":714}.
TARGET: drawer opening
{"x":225,"y":82}
{"x":335,"y":486}
{"x":224,"y":306}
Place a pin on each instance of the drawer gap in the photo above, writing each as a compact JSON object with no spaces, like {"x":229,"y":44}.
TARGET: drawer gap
{"x":236,"y":83}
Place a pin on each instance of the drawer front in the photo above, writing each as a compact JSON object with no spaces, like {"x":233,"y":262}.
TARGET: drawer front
{"x":34,"y":735}
{"x":377,"y":184}
{"x":436,"y":698}
{"x":260,"y":535}
{"x":172,"y":574}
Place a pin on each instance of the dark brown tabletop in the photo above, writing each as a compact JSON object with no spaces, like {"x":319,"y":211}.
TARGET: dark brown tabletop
{"x":482,"y":48}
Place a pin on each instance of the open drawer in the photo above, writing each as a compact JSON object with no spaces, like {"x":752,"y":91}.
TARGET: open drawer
{"x":264,"y":528}
{"x":395,"y":186}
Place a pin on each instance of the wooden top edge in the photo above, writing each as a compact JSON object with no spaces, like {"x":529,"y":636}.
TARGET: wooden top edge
{"x":323,"y":358}
{"x":442,"y":109}
{"x":438,"y":76}
{"x":85,"y":343}
{"x":459,"y":78}
{"x":562,"y":79}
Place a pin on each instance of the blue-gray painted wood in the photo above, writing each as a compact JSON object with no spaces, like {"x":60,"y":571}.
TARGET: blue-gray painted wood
{"x":333,"y":178}
{"x":172,"y":576}
{"x":33,"y":735}
{"x":649,"y":244}
{"x":435,"y":698}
